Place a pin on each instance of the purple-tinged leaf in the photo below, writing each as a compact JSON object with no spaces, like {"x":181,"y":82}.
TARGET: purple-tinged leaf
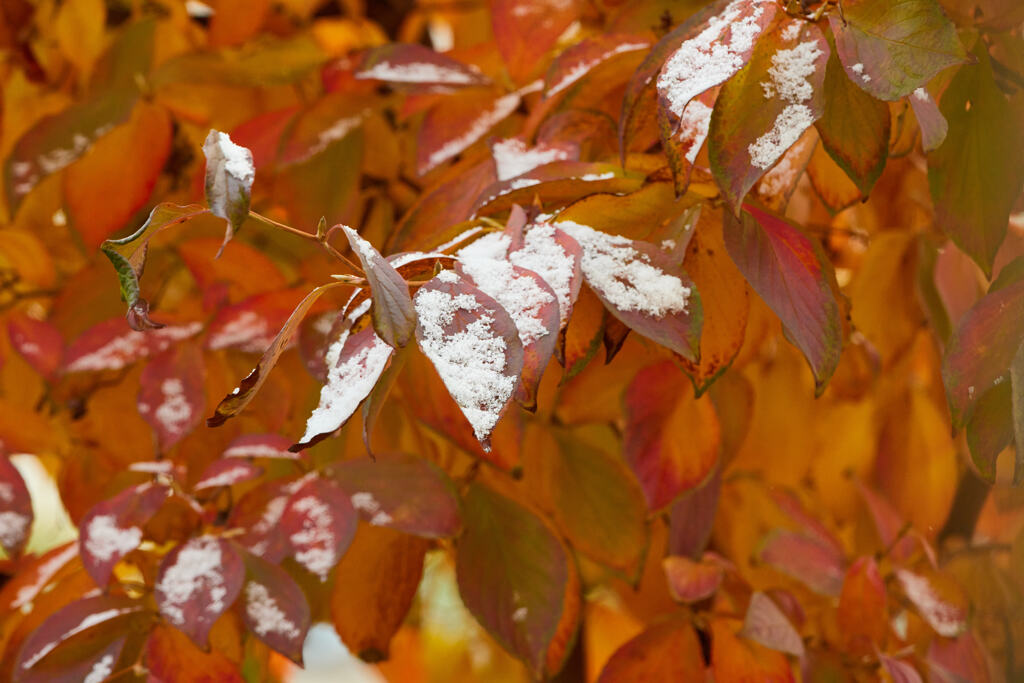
{"x":899,"y":670}
{"x":938,"y":598}
{"x":641,"y":286}
{"x":80,"y":665}
{"x":319,"y":523}
{"x":513,"y":575}
{"x":577,"y":61}
{"x":112,"y":345}
{"x":891,"y":48}
{"x":984,"y":134}
{"x":16,"y":515}
{"x":691,"y":518}
{"x":88,"y":620}
{"x":805,"y":559}
{"x":227,"y":473}
{"x":260,"y":446}
{"x":172,"y":393}
{"x":354,"y":365}
{"x":691,"y":581}
{"x":258,"y":515}
{"x":513,"y":156}
{"x":38,"y":342}
{"x":930,"y":120}
{"x":417,"y":69}
{"x":996,"y":325}
{"x":236,"y":401}
{"x":766,"y":624}
{"x":959,"y":660}
{"x":128,"y":255}
{"x":526,"y":297}
{"x":229,"y":176}
{"x":198,"y":582}
{"x":473,"y":344}
{"x":393,"y":316}
{"x":784,"y":78}
{"x":812,"y":526}
{"x":788,"y":271}
{"x":113,"y":528}
{"x":274,"y":607}
{"x":401,"y":492}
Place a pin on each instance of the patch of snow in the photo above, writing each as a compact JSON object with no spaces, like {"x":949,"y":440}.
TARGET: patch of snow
{"x":792,"y":31}
{"x":245,"y":331}
{"x":44,"y":573}
{"x":87,"y":622}
{"x":946,"y":619}
{"x":104,"y":538}
{"x":100,"y":670}
{"x":922,"y":95}
{"x":542,"y":254}
{"x":315,"y":543}
{"x":194,"y":575}
{"x":131,"y":346}
{"x":476,"y":129}
{"x":693,"y":127}
{"x":174,"y":412}
{"x":581,"y":68}
{"x":513,"y":157}
{"x":420,"y":72}
{"x":14,"y":528}
{"x":226,"y":478}
{"x":265,"y":615}
{"x":237,"y":159}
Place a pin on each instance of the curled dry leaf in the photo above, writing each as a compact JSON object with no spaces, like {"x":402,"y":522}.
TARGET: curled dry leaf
{"x":114,"y":528}
{"x":229,"y":176}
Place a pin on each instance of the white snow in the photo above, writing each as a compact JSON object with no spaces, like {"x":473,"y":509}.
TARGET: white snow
{"x":693,"y":128}
{"x":350,"y":379}
{"x":420,"y":72}
{"x":519,"y":615}
{"x":315,"y":543}
{"x":105,"y":539}
{"x":542,"y":254}
{"x":625,"y":276}
{"x":709,"y":58}
{"x":44,"y":573}
{"x":946,"y":619}
{"x":501,"y":108}
{"x":87,"y":622}
{"x":583,"y":66}
{"x":471,"y":362}
{"x":152,"y":467}
{"x":365,"y":502}
{"x":237,"y":160}
{"x":245,"y":330}
{"x":228,"y":477}
{"x":783,"y":174}
{"x":131,"y":346}
{"x":195,"y":575}
{"x":366,"y":252}
{"x":265,"y":615}
{"x":13,"y":528}
{"x":922,"y":95}
{"x":792,"y":31}
{"x":788,"y":82}
{"x":174,"y":412}
{"x":858,"y":69}
{"x":513,"y":157}
{"x":100,"y":670}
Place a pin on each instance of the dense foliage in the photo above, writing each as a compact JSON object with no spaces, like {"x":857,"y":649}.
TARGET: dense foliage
{"x":660,"y":337}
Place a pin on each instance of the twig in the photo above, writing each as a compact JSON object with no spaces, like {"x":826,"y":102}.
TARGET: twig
{"x":306,"y":235}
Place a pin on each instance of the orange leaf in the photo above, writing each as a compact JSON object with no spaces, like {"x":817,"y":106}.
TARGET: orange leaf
{"x":862,"y":615}
{"x":737,"y":660}
{"x":172,"y":658}
{"x":669,"y":651}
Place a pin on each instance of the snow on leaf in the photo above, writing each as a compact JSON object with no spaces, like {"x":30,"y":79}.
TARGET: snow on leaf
{"x":641,"y":287}
{"x":931,"y":121}
{"x":473,"y":344}
{"x":113,"y":528}
{"x":577,"y":61}
{"x":555,"y":256}
{"x":16,"y":515}
{"x":112,"y":345}
{"x":716,"y":53}
{"x":942,"y":609}
{"x":455,"y":124}
{"x":229,"y":176}
{"x":513,"y":157}
{"x":319,"y":521}
{"x":259,"y":446}
{"x":198,"y":581}
{"x":36,"y":575}
{"x":274,"y":607}
{"x":418,"y":68}
{"x":227,"y":473}
{"x":171,"y":393}
{"x":38,"y":342}
{"x":258,"y":515}
{"x":393,"y":315}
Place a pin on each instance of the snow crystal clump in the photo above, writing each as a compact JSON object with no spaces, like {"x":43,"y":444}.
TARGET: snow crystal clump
{"x":542,"y":254}
{"x":237,"y":159}
{"x":265,"y":614}
{"x":789,"y":72}
{"x":418,"y":72}
{"x":13,"y":528}
{"x":694,"y":127}
{"x":100,"y":670}
{"x":104,"y":539}
{"x":196,"y":568}
{"x":625,"y":276}
{"x":513,"y":157}
{"x":315,"y":542}
{"x":471,"y":362}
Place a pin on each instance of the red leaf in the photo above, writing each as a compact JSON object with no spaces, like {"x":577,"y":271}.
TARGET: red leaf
{"x":959,"y":660}
{"x":16,"y":515}
{"x":38,"y":342}
{"x":557,"y":182}
{"x":526,"y":29}
{"x":402,"y":492}
{"x":691,"y":581}
{"x":260,"y":446}
{"x":474,"y":346}
{"x":258,"y":514}
{"x":642,"y":287}
{"x":34,"y":575}
{"x":784,"y":78}
{"x":92,"y":617}
{"x":418,"y":69}
{"x":667,"y":651}
{"x":319,"y":522}
{"x":692,"y":517}
{"x":805,"y":559}
{"x":576,"y":62}
{"x":788,"y":271}
{"x":513,"y":575}
{"x":766,"y":624}
{"x":393,"y":316}
{"x":900,"y":671}
{"x":227,"y":473}
{"x":253,"y":324}
{"x":113,"y":528}
{"x":457,"y":122}
{"x":660,"y":406}
{"x":112,"y":345}
{"x":93,"y":666}
{"x":274,"y":607}
{"x":172,"y":393}
{"x":198,"y":582}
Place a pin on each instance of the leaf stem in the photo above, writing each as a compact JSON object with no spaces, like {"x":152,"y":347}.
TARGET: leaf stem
{"x":306,"y":235}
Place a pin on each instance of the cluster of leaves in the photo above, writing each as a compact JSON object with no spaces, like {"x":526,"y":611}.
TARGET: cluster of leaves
{"x":791,"y":229}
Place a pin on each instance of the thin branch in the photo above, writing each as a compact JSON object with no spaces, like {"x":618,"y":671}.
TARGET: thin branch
{"x":306,"y":235}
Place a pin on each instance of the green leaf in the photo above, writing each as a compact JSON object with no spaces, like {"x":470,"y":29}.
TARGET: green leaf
{"x":765,"y":108}
{"x":788,"y":271}
{"x":514,"y":575}
{"x":229,"y":176}
{"x":394,"y":317}
{"x":596,"y":500}
{"x":892,"y":47}
{"x":976,"y":175}
{"x":854,"y":128}
{"x":128,"y":255}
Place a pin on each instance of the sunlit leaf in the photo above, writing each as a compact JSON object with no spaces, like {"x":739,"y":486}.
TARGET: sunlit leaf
{"x":113,"y":528}
{"x":892,"y":48}
{"x":667,"y":651}
{"x":198,"y":582}
{"x":788,"y":271}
